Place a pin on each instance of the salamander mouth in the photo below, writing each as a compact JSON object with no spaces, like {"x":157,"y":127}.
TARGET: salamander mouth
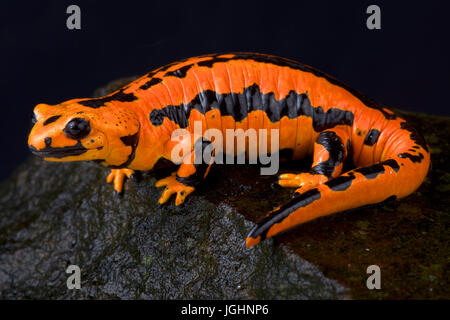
{"x":49,"y":152}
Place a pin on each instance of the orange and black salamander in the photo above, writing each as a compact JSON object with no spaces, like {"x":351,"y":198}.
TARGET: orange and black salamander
{"x":315,"y":114}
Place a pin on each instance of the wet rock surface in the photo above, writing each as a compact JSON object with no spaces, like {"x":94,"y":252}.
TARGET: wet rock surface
{"x":57,"y":214}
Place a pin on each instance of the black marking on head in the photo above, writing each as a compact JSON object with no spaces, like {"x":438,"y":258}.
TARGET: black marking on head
{"x":277,"y":216}
{"x":415,"y":135}
{"x":372,"y":137}
{"x":416,"y":147}
{"x":239,"y":105}
{"x":51,"y":119}
{"x":341,"y":183}
{"x":336,"y":150}
{"x":412,"y":157}
{"x":49,"y":152}
{"x":48,"y":142}
{"x":117,"y":96}
{"x":150,"y":83}
{"x":200,"y":166}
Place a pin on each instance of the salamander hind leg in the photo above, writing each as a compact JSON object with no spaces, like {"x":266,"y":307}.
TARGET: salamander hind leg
{"x":329,"y":156}
{"x":304,"y":180}
{"x":117,"y":176}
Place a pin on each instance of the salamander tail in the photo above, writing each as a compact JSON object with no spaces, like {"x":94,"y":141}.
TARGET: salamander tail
{"x":394,"y":178}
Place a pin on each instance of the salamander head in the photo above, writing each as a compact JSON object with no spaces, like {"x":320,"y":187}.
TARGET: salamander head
{"x":73,"y":132}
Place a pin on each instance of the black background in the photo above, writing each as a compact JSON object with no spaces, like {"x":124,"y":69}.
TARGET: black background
{"x":404,"y":65}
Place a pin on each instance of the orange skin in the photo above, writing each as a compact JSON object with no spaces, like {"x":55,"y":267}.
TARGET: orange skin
{"x":131,"y":129}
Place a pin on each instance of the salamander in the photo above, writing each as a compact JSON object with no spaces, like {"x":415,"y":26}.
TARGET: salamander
{"x":315,"y":115}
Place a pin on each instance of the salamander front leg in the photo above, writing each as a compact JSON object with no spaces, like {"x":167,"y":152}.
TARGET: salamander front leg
{"x":118,"y":176}
{"x":191,"y":172}
{"x":173,"y":186}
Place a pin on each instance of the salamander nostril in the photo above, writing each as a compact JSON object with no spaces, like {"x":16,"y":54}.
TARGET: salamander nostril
{"x":48,"y":142}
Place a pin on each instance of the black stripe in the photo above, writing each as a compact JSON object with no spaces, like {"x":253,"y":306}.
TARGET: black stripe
{"x":391,"y":163}
{"x":150,"y":83}
{"x":179,"y":73}
{"x":372,"y":137}
{"x":344,"y":182}
{"x":239,"y":105}
{"x":412,"y":157}
{"x":100,"y":102}
{"x":341,"y":183}
{"x":415,"y":135}
{"x":371,"y":172}
{"x":283,"y":62}
{"x":277,"y":216}
{"x":51,"y":119}
{"x":336,"y":150}
{"x":131,"y":141}
{"x":200,"y":166}
{"x":49,"y":152}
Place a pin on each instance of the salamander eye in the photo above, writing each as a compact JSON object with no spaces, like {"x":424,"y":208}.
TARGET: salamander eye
{"x":77,"y":128}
